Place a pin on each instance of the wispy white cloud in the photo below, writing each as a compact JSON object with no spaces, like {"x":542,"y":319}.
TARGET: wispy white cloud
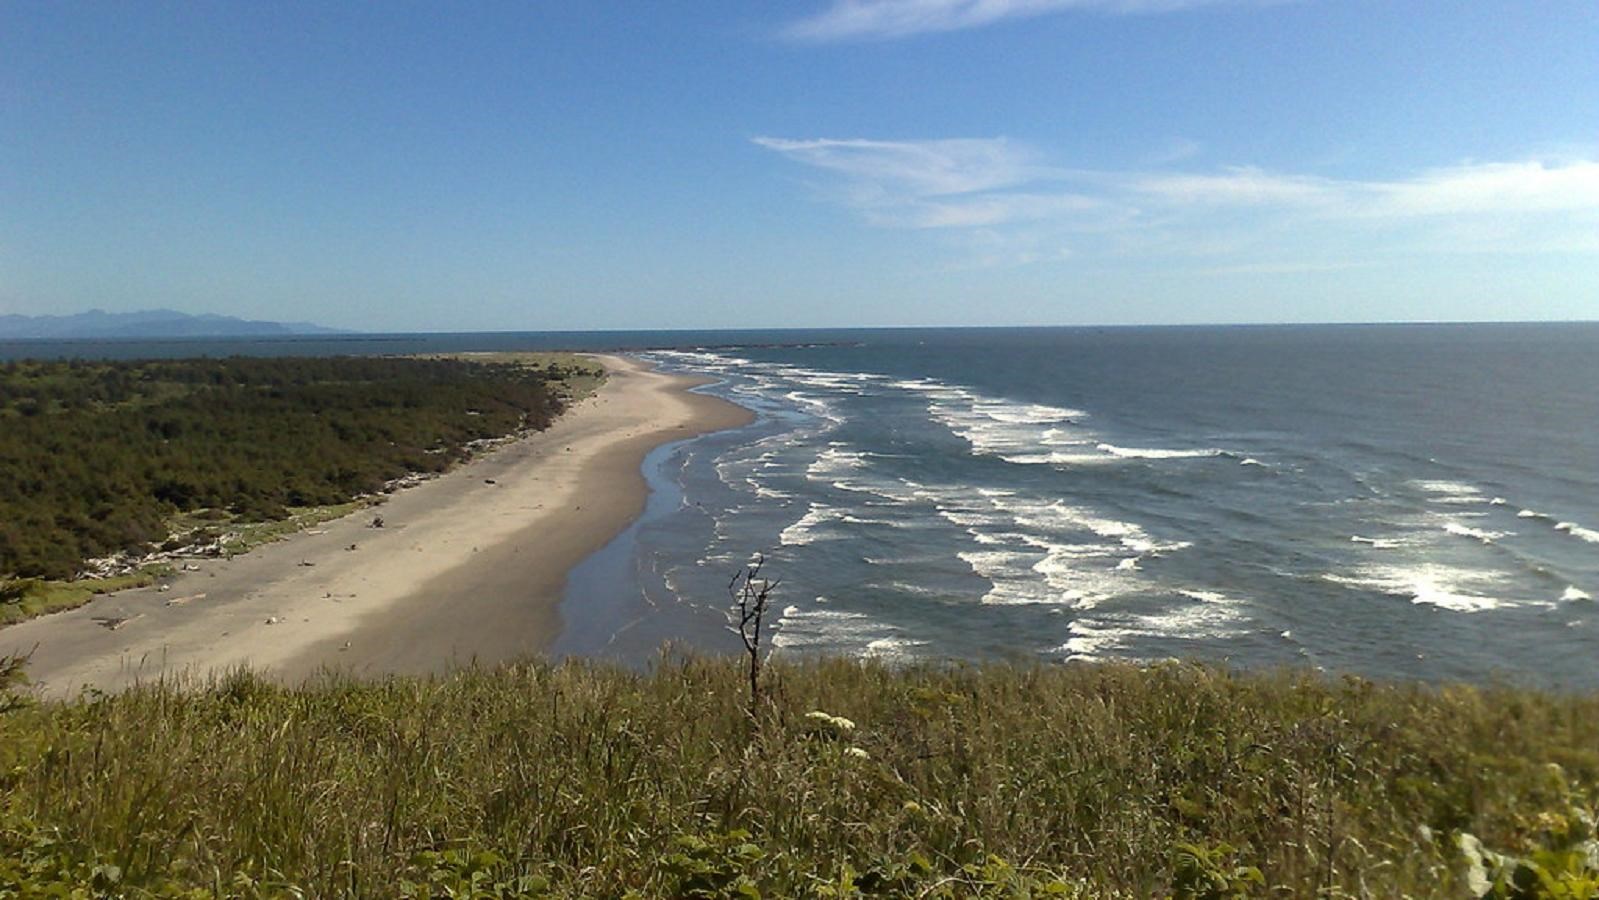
{"x":921,"y":168}
{"x":958,"y":183}
{"x":1285,"y":268}
{"x":1240,"y":186}
{"x":879,"y":19}
{"x":1175,"y":150}
{"x":1493,"y":188}
{"x":1533,"y":186}
{"x":1006,"y":193}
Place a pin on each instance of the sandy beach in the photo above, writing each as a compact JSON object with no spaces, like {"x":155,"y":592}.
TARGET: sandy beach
{"x":467,"y":567}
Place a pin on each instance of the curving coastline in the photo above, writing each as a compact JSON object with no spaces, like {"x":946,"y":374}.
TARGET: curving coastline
{"x":468,"y":567}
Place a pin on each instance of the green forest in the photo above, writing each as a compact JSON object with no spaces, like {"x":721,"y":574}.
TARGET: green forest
{"x":100,"y":457}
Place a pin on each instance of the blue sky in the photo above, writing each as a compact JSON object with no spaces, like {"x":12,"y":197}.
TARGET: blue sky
{"x":571,"y":165}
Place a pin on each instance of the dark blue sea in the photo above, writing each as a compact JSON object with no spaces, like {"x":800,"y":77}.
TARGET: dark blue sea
{"x":1415,"y":501}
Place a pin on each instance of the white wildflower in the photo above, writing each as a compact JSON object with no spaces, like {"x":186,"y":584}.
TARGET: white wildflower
{"x":836,"y":722}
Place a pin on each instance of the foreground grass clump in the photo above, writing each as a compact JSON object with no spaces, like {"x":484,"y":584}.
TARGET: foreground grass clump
{"x":853,"y":780}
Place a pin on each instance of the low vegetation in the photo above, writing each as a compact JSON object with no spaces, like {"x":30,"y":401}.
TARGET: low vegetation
{"x":28,"y":597}
{"x":121,"y":459}
{"x":849,"y":779}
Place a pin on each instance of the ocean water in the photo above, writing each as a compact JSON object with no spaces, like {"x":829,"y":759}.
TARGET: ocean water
{"x":1399,"y":501}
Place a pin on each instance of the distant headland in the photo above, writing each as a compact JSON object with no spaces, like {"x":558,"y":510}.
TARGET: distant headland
{"x":153,"y":323}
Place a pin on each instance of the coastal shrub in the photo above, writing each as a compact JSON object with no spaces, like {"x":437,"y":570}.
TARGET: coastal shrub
{"x":1558,"y":849}
{"x":468,"y":875}
{"x":579,"y":780}
{"x":13,"y":682}
{"x":1211,"y":873}
{"x":100,"y":457}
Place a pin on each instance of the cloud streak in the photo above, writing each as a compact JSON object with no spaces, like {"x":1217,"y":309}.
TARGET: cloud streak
{"x":920,"y":168}
{"x":887,"y":19}
{"x":1009,"y":192}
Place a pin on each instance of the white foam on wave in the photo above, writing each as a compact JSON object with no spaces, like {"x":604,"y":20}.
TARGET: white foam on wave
{"x":1087,"y":642}
{"x":1009,"y":576}
{"x":892,"y":648}
{"x":1531,"y":514}
{"x":836,"y":381}
{"x":1574,"y":594}
{"x":820,"y":628}
{"x":815,"y":406}
{"x":1058,"y":517}
{"x":893,"y":491}
{"x":1579,"y":532}
{"x":1004,"y":570}
{"x":804,"y":531}
{"x":1430,"y":584}
{"x":853,"y":519}
{"x":1045,"y":551}
{"x":990,"y":538}
{"x":834,"y":460}
{"x":1107,"y":454}
{"x":815,"y":378}
{"x":717,"y":559}
{"x":764,"y":468}
{"x":1478,"y":534}
{"x":1067,"y":575}
{"x":970,"y":519}
{"x":1250,"y":461}
{"x":914,"y":560}
{"x":1213,"y":617}
{"x":1377,"y":543}
{"x":987,"y":436}
{"x":762,"y":490}
{"x":700,"y":359}
{"x":1449,"y":492}
{"x":800,"y":627}
{"x":1029,"y":433}
{"x":1061,"y":437}
{"x":1012,"y":413}
{"x":1059,"y":458}
{"x":1081,"y":579}
{"x":1156,"y":453}
{"x":908,"y":587}
{"x":995,"y":426}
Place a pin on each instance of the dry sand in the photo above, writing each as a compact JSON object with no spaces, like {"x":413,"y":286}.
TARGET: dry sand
{"x":463,"y":570}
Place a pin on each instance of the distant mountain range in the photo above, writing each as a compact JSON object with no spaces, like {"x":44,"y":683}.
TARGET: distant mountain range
{"x":152,"y":323}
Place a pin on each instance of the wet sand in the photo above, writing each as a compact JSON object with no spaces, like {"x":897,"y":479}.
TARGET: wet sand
{"x":464,"y":570}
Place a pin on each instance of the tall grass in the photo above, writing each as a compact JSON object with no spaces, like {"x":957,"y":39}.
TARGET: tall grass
{"x":583,"y":781}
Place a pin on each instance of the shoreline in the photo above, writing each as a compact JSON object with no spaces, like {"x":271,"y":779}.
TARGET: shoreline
{"x":469,"y":568}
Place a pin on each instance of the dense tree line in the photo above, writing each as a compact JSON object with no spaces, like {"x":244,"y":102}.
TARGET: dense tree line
{"x":96,"y":458}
